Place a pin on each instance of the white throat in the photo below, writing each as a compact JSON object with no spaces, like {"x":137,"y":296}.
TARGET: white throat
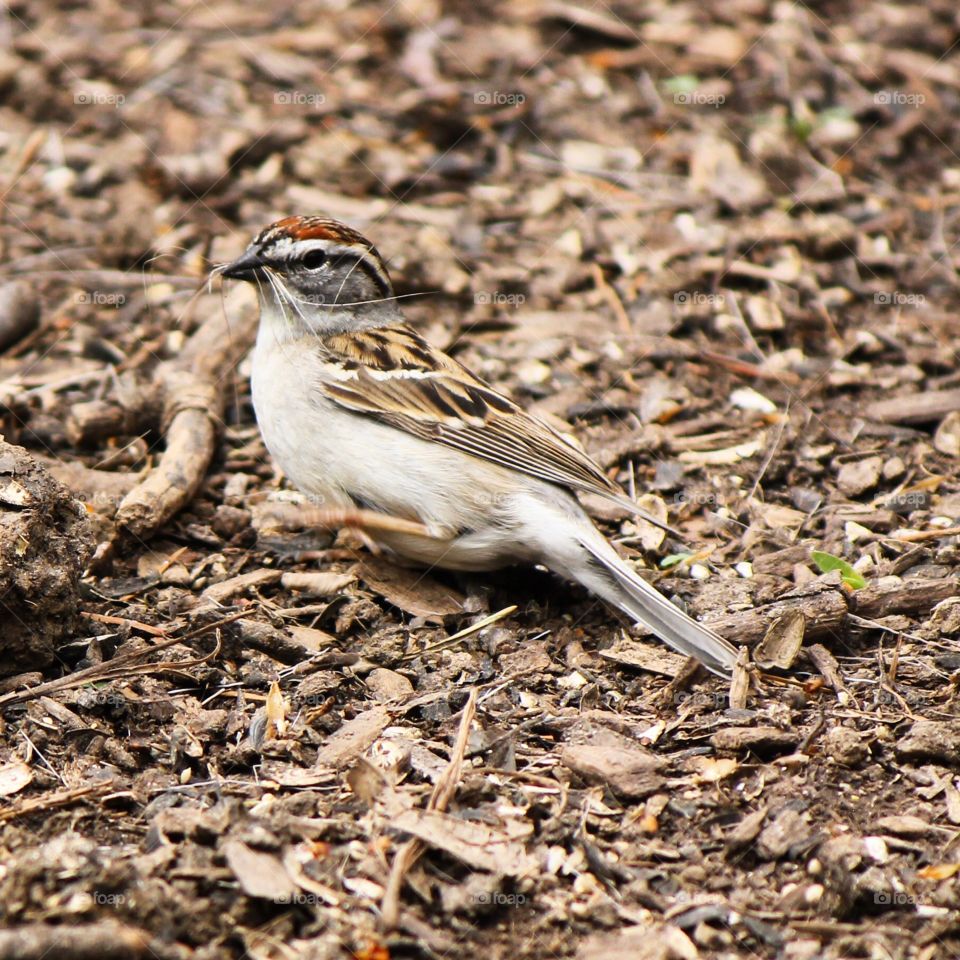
{"x":283,"y":321}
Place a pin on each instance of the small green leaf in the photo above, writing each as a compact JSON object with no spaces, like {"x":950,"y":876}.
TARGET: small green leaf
{"x":681,"y":83}
{"x":800,"y":128}
{"x":673,"y":560}
{"x":827,"y":562}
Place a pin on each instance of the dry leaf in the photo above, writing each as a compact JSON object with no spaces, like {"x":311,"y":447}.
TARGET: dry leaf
{"x":276,"y":709}
{"x":939,"y":871}
{"x":714,"y":769}
{"x":260,"y":874}
{"x":412,"y":591}
{"x":782,"y":641}
{"x":14,"y":777}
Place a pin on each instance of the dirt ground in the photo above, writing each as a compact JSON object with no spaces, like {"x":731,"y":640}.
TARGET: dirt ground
{"x":717,"y":243}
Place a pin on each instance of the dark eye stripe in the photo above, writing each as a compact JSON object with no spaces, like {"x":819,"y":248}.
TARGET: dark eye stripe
{"x":313,"y":259}
{"x":363,"y":263}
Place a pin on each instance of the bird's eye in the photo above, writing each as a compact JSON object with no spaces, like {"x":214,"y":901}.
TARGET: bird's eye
{"x":314,"y":259}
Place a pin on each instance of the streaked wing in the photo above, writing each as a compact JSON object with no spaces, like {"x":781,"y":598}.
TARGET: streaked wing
{"x":395,"y":376}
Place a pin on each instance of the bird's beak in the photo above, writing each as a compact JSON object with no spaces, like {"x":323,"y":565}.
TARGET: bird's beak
{"x":246,"y":267}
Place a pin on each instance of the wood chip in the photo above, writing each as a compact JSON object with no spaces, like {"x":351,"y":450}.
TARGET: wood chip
{"x":343,"y":746}
{"x":904,"y":825}
{"x":602,"y":756}
{"x":936,"y":740}
{"x":412,"y":591}
{"x":220,"y":592}
{"x":644,"y":656}
{"x":656,"y":941}
{"x":781,"y":643}
{"x":321,"y":584}
{"x":790,"y":829}
{"x":479,"y":845}
{"x":859,"y":476}
{"x":762,"y":740}
{"x":387,"y":685}
{"x":915,"y":407}
{"x":259,"y":873}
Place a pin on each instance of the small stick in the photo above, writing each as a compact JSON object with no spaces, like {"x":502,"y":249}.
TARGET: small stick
{"x":61,"y":798}
{"x":109,"y":668}
{"x":457,"y":637}
{"x":122,"y":621}
{"x":744,"y":368}
{"x":613,"y":298}
{"x":440,"y":798}
{"x":915,"y":536}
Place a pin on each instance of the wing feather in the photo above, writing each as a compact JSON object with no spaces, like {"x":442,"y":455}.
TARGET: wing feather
{"x":443,"y":402}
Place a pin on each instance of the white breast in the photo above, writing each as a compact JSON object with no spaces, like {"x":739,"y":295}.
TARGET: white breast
{"x":340,"y":458}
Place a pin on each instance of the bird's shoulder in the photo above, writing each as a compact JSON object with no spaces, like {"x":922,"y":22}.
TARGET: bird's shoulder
{"x":395,"y":375}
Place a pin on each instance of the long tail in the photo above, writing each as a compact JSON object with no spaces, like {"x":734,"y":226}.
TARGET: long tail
{"x":611,"y":579}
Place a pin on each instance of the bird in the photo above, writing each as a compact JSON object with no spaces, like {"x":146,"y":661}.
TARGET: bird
{"x":361,"y":412}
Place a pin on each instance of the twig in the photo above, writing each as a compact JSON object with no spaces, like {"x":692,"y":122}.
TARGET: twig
{"x":50,"y":801}
{"x":768,"y":459}
{"x":440,"y":798}
{"x":457,"y":637}
{"x":75,"y":941}
{"x":915,"y":536}
{"x":125,"y":621}
{"x":193,"y":402}
{"x":744,"y":368}
{"x":120,"y":665}
{"x":612,"y":297}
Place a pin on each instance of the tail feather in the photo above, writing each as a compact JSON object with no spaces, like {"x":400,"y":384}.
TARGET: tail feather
{"x":636,"y":598}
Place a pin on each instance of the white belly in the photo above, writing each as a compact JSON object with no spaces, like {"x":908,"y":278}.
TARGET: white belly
{"x":341,"y":459}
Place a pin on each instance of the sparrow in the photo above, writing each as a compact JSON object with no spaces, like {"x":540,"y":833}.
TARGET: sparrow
{"x":361,"y":412}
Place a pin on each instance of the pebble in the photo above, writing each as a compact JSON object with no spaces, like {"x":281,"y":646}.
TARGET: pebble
{"x":859,"y":476}
{"x":845,"y":745}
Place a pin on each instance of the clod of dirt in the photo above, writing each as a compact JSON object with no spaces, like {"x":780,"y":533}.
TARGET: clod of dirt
{"x":846,"y":746}
{"x":45,"y":540}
